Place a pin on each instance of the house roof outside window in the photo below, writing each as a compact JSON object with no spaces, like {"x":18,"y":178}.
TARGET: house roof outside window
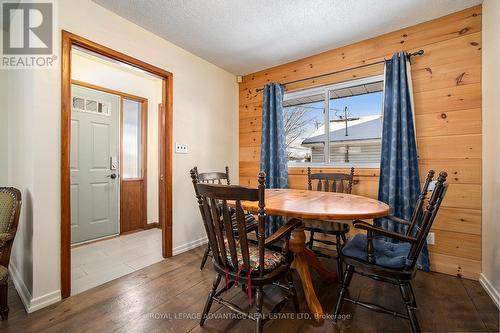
{"x":360,"y":129}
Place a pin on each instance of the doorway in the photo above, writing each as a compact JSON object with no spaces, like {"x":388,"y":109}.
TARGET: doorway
{"x":95,"y":146}
{"x":109,"y":161}
{"x":100,"y":175}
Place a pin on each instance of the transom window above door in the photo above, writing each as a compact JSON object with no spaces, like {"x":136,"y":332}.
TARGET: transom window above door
{"x":348,"y":134}
{"x":89,"y":105}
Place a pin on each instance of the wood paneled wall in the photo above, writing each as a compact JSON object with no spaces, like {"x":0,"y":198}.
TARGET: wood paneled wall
{"x":447,"y":94}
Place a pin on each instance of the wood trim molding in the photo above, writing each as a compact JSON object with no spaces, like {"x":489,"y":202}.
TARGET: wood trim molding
{"x":113,"y":54}
{"x":68,"y":40}
{"x":144,"y":161}
{"x":65,"y":167}
{"x":151,"y":225}
{"x":109,"y":91}
{"x":166,"y":169}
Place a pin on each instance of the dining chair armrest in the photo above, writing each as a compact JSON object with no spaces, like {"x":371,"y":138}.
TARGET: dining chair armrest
{"x":282,"y":232}
{"x":7,"y":236}
{"x":374,"y":230}
{"x":6,"y":240}
{"x":380,"y":231}
{"x":397,"y":219}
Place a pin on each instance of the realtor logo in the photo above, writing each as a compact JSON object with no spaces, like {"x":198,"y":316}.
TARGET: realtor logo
{"x":28,"y":31}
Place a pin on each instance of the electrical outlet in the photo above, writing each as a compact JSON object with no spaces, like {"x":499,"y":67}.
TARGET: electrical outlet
{"x":431,"y":239}
{"x":181,"y":148}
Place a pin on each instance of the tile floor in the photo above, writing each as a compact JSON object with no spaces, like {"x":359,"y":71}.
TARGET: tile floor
{"x":97,"y":263}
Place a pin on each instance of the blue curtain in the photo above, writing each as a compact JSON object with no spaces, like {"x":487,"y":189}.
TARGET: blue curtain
{"x":273,"y":158}
{"x":399,"y":177}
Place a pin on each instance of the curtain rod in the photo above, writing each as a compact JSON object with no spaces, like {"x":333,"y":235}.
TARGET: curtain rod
{"x":419,"y":52}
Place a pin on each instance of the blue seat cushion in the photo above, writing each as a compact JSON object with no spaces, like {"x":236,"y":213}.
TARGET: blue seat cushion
{"x":387,"y":254}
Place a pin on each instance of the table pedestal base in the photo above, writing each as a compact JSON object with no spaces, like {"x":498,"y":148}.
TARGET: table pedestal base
{"x":303,"y":258}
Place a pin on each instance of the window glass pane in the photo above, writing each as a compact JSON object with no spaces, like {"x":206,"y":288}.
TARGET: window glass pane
{"x":304,"y":130}
{"x":353,"y":123}
{"x":356,"y":125}
{"x":131,"y":145}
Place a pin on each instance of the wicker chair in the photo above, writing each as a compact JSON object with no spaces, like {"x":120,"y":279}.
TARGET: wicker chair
{"x":10,"y":208}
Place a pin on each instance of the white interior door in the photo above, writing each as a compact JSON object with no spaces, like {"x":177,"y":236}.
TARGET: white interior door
{"x":94,"y":164}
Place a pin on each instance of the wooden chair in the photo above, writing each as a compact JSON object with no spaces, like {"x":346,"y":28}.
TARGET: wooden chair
{"x":10,"y":209}
{"x":395,"y":263}
{"x":219,"y":178}
{"x":236,"y":259}
{"x":329,"y":182}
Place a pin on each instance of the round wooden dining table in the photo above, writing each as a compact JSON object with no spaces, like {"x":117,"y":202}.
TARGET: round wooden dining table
{"x":324,"y":206}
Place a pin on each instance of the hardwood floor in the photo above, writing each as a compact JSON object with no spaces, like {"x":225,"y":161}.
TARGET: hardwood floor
{"x":168,"y":297}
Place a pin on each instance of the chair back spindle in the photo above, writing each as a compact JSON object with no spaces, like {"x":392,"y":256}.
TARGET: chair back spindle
{"x":261,"y":218}
{"x":331,"y":182}
{"x":420,"y":202}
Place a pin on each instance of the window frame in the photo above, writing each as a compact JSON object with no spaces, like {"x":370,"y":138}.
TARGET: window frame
{"x":325,"y":90}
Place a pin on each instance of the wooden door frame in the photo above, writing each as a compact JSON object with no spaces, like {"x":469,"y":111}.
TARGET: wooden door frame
{"x":69,"y":40}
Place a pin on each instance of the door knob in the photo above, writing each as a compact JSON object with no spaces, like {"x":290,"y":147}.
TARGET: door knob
{"x":112,"y":176}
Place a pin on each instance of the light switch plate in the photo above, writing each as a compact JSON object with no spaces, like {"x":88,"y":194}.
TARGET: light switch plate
{"x":181,"y":148}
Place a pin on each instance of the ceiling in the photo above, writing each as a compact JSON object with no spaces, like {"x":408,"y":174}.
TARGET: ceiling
{"x":245,"y":36}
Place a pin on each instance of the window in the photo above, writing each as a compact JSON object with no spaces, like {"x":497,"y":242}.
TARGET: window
{"x":132,"y":139}
{"x":89,"y":105}
{"x":353,"y":123}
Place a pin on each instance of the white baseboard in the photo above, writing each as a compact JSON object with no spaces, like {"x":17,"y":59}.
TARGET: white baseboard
{"x":44,"y":300}
{"x":490,"y":290}
{"x":21,"y":288}
{"x":188,"y":246}
{"x":32,"y":304}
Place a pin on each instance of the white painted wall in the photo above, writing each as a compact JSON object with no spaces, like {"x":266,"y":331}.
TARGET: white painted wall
{"x":205,"y":118}
{"x":3,"y":126}
{"x":91,"y":69}
{"x":490,"y":266}
{"x":21,"y":99}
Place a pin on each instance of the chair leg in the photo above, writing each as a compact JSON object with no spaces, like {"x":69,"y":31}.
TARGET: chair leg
{"x":410,"y":309}
{"x":293,"y":291}
{"x":205,"y":256}
{"x":311,"y":240}
{"x":413,"y":299}
{"x":208,"y":304}
{"x":259,"y":300}
{"x":338,"y":245}
{"x":345,"y":284}
{"x":4,"y":307}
